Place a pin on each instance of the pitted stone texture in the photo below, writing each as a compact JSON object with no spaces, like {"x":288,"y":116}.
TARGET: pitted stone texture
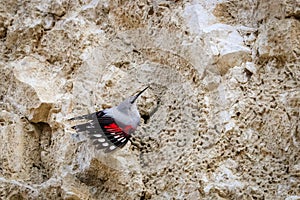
{"x":220,"y":119}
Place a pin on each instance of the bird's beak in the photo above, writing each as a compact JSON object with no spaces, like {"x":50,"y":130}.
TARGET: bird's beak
{"x":136,"y":96}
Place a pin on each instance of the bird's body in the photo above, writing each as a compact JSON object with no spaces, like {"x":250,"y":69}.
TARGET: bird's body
{"x":111,"y":128}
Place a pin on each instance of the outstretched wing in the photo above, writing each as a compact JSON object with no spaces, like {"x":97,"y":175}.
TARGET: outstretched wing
{"x":103,"y":131}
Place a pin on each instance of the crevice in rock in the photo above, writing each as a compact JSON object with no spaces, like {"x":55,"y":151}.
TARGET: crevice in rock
{"x":145,"y":117}
{"x":42,"y":165}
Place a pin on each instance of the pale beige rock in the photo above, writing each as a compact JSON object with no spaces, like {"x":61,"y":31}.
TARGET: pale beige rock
{"x":219,"y":121}
{"x":280,"y":39}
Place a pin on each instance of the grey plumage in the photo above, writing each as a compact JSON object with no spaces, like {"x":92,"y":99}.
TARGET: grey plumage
{"x":111,"y":128}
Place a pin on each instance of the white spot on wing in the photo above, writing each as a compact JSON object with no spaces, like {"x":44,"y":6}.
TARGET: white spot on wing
{"x":112,"y":147}
{"x":123,"y":140}
{"x":101,"y":140}
{"x":105,"y":144}
{"x":97,"y":135}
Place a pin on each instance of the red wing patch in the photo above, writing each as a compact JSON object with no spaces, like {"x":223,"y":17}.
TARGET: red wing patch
{"x":113,"y":128}
{"x":116,"y":129}
{"x":104,"y":131}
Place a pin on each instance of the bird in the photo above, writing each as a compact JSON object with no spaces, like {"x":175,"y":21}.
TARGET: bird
{"x":111,"y":128}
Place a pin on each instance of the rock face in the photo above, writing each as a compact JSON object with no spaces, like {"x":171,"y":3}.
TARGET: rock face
{"x":220,"y":120}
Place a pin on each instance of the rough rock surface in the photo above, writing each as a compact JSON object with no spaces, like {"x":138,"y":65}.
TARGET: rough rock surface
{"x":220,"y":120}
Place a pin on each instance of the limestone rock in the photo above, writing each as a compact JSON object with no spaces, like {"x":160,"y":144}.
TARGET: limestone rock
{"x":220,"y":119}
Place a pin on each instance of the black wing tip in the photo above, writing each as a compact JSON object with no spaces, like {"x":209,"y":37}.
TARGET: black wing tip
{"x":88,"y":116}
{"x":77,"y":118}
{"x":111,"y":144}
